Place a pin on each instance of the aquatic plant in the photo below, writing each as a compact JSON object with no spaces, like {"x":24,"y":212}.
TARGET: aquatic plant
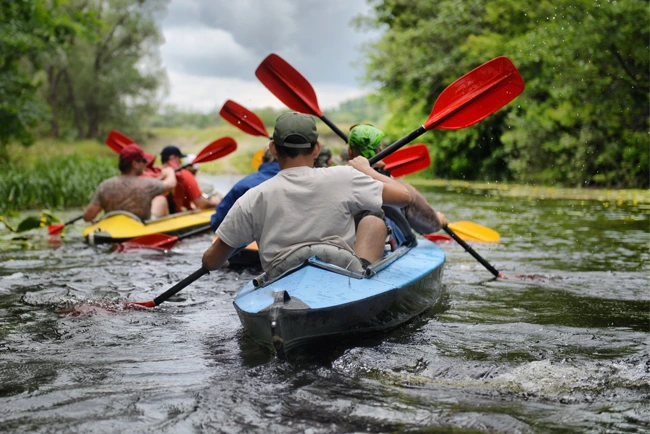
{"x":53,"y":182}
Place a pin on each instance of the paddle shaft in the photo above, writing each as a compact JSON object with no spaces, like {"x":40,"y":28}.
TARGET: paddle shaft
{"x":334,"y":128}
{"x":185,"y":282}
{"x":197,"y":231}
{"x":69,"y":222}
{"x":398,"y":144}
{"x":471,"y":251}
{"x":180,"y":285}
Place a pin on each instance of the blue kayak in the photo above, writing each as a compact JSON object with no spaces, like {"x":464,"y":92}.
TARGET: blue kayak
{"x":317,"y":300}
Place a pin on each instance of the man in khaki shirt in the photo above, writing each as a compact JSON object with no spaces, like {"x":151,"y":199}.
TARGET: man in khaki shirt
{"x":304,"y":206}
{"x":128,"y":192}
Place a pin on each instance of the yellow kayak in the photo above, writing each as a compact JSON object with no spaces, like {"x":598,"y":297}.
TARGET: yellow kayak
{"x":119,"y":226}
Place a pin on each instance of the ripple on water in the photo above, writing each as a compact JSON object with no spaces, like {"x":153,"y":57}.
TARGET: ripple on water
{"x":565,"y":351}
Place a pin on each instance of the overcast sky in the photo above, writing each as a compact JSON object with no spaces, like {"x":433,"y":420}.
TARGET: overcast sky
{"x":213,"y":47}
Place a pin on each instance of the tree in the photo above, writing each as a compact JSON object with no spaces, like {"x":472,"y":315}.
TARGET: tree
{"x":110,"y":80}
{"x":583,"y":118}
{"x":28,"y":29}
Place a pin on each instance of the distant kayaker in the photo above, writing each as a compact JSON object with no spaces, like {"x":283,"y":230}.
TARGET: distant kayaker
{"x":365,"y":140}
{"x":267,"y":170}
{"x":324,"y":158}
{"x":304,"y":211}
{"x":187,"y":194}
{"x":128,"y":191}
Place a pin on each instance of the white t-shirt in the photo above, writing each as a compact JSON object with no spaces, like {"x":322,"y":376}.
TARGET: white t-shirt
{"x":298,"y":207}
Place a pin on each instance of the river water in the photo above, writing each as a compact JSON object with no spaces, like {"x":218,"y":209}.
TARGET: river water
{"x":566,"y":348}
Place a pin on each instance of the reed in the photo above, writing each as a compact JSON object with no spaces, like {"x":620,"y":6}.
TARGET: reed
{"x":53,"y":182}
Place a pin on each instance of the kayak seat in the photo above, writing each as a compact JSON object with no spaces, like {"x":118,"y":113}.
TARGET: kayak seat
{"x":126,"y":213}
{"x":325,"y":252}
{"x":400,"y":227}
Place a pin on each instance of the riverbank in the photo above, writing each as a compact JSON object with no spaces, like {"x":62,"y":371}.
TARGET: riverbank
{"x":631,"y":196}
{"x":57,"y":174}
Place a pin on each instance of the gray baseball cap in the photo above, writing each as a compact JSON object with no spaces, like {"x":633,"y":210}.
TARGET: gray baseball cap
{"x":295,"y":124}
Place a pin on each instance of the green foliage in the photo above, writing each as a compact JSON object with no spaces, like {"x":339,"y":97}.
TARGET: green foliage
{"x":53,"y":181}
{"x":110,"y":78}
{"x":364,"y":109}
{"x":45,"y":218}
{"x":583,"y":118}
{"x":173,"y":117}
{"x":268,"y":115}
{"x":29,"y":29}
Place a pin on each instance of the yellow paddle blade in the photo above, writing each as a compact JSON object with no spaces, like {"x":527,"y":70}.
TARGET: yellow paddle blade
{"x":257,"y":159}
{"x":470,"y":231}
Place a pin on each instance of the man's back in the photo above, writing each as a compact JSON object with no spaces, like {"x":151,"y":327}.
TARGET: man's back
{"x":128,"y":193}
{"x":266,"y":171}
{"x":301,"y":206}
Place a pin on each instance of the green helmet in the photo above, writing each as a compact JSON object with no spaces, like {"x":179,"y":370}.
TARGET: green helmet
{"x":365,"y":139}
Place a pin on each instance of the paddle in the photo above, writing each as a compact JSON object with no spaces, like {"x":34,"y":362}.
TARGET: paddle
{"x":118,"y":141}
{"x":466,"y":101}
{"x":414,"y":159}
{"x":56,"y":229}
{"x":217,"y":149}
{"x":408,"y":160}
{"x":258,"y":159}
{"x":290,"y":87}
{"x":214,"y":150}
{"x":171,"y":291}
{"x":468,"y":231}
{"x":244,"y":119}
{"x":92,"y":307}
{"x":158,"y":240}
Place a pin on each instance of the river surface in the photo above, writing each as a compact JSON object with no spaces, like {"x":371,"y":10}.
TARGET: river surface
{"x":565,"y":348}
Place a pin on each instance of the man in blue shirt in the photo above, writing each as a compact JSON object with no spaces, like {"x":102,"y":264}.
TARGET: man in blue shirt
{"x":267,"y":170}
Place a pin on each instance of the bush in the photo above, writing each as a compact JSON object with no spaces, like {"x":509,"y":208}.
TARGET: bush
{"x":53,"y":182}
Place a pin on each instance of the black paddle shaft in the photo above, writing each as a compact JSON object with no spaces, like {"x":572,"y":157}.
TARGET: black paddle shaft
{"x":334,"y":128}
{"x":73,"y":220}
{"x":398,"y":144}
{"x":185,"y":282}
{"x":471,"y":251}
{"x":180,"y":285}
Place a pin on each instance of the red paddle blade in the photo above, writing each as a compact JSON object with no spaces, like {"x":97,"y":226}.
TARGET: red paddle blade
{"x":139,"y":304}
{"x":104,"y":307}
{"x":408,"y":160}
{"x":157,"y":241}
{"x":436,"y":238}
{"x":476,"y":95}
{"x":244,"y":119}
{"x":55,"y":229}
{"x":217,"y":149}
{"x":118,"y":141}
{"x":288,"y":85}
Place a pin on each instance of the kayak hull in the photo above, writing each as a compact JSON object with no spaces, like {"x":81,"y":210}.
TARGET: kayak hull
{"x":312,"y":304}
{"x":117,"y":227}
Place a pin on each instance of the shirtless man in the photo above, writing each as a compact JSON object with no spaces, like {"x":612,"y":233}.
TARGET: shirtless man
{"x":129,"y":192}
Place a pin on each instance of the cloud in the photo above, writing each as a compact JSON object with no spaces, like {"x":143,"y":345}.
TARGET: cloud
{"x":224,"y":41}
{"x":205,"y":52}
{"x":208,"y":93}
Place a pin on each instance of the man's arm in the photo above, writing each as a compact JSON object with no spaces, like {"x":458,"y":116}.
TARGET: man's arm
{"x":91,"y":211}
{"x":168,"y":177}
{"x":393,"y":192}
{"x":217,"y":255}
{"x":203,"y":203}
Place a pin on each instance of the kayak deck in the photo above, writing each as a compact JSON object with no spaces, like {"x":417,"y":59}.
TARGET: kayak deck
{"x":312,"y":302}
{"x":119,"y":226}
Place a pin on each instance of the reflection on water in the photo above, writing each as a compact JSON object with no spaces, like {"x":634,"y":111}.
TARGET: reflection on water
{"x":567,"y":351}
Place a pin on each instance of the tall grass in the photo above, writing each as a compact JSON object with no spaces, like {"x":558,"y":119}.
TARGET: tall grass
{"x":53,"y":182}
